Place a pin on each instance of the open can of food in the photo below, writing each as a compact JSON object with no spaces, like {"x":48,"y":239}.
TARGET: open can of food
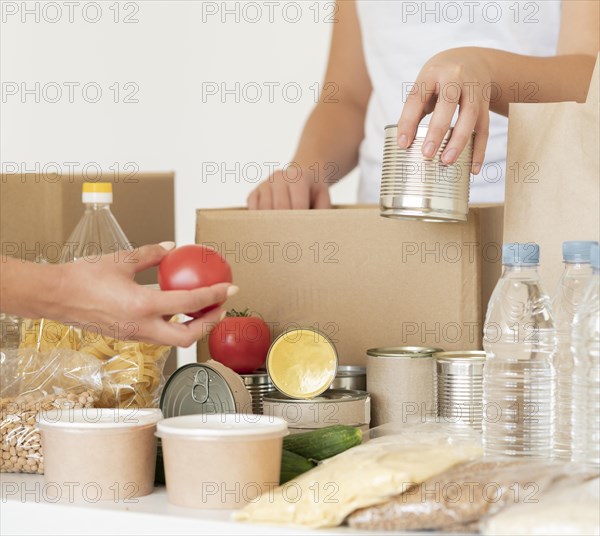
{"x":419,"y":188}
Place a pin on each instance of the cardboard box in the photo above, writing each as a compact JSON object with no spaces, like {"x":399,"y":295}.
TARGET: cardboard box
{"x":39,"y":212}
{"x":364,"y":280}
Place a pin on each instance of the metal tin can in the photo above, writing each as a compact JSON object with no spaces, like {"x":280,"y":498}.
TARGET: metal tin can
{"x":302,"y":363}
{"x":350,"y":377}
{"x":401,"y":381}
{"x":415,"y":187}
{"x":334,"y":406}
{"x":460,"y":386}
{"x":204,"y":388}
{"x":394,"y":351}
{"x":258,"y":385}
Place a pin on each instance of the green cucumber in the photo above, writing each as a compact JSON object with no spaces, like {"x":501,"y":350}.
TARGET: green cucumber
{"x":323,"y":443}
{"x":293,"y":465}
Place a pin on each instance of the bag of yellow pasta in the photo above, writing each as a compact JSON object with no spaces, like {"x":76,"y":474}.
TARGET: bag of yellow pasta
{"x":132,"y":371}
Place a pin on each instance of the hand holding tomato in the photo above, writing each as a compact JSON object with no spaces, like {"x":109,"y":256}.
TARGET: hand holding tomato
{"x":240,"y":341}
{"x":191,"y":267}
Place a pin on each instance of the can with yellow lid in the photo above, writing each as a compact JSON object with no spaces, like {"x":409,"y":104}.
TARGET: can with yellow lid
{"x":302,"y":363}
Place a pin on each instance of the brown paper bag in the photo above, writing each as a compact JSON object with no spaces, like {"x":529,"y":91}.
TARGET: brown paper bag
{"x":552,"y":177}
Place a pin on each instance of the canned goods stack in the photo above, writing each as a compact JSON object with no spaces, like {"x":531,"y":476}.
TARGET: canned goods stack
{"x":334,"y":406}
{"x":460,"y":386}
{"x":303,"y":366}
{"x":350,"y":377}
{"x":258,"y":384}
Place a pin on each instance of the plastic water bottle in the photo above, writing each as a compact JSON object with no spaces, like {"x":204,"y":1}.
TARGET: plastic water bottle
{"x":586,"y":341}
{"x":519,"y":340}
{"x":98,"y":231}
{"x":569,"y":294}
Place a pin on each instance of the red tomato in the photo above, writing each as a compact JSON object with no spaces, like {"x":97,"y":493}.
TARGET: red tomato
{"x":191,"y":267}
{"x":240,"y":342}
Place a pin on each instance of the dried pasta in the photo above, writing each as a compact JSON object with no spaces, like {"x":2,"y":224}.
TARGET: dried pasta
{"x":131,"y":370}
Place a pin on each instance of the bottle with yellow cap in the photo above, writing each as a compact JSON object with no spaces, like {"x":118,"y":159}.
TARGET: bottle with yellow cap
{"x":98,"y":231}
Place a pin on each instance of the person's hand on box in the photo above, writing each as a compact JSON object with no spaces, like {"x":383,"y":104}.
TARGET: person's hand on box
{"x":290,"y":189}
{"x":101,"y":294}
{"x":453,"y":78}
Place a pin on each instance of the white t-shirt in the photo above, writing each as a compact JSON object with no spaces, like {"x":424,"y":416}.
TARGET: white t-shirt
{"x":399,"y":36}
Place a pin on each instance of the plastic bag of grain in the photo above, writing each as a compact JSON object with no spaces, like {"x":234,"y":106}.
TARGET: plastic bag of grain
{"x":567,"y":508}
{"x":457,"y":500}
{"x":31,"y":382}
{"x":362,"y":476}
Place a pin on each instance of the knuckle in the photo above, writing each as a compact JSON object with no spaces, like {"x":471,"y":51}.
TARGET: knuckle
{"x":140,"y":306}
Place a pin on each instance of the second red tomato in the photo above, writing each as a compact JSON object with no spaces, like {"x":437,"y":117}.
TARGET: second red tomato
{"x":240,"y":342}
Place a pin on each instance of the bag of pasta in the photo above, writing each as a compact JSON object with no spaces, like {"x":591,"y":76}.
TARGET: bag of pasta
{"x":132,"y":371}
{"x":32,"y":381}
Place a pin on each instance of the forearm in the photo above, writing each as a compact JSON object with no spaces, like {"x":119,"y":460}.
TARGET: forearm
{"x":28,"y":289}
{"x":328,"y":147}
{"x":517,"y":78}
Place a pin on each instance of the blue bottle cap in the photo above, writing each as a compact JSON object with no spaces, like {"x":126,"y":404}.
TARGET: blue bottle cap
{"x":520,"y":254}
{"x":595,"y":256}
{"x":577,"y":250}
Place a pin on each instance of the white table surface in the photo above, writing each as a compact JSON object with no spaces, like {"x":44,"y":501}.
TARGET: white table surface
{"x":25,"y":510}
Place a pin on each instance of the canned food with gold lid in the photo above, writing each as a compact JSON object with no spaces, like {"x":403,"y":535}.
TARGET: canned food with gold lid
{"x":302,"y":363}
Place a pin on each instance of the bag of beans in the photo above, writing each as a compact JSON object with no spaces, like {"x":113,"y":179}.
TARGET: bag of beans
{"x":32,"y":381}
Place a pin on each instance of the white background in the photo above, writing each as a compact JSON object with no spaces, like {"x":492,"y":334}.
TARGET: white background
{"x":174,"y":54}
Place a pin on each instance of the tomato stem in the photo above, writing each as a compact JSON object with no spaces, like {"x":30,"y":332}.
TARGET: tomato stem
{"x":233,"y":312}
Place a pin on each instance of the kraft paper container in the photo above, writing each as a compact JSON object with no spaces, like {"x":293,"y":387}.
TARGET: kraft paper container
{"x":220,"y":461}
{"x":401,"y":388}
{"x":97,"y":454}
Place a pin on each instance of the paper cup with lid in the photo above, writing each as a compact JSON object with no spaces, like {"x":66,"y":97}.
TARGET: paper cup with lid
{"x":221,"y":461}
{"x":95,"y":454}
{"x":302,"y":363}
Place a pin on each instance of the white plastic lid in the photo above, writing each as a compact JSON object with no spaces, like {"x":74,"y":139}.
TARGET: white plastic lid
{"x":97,"y":198}
{"x":223,"y":426}
{"x":98,"y":418}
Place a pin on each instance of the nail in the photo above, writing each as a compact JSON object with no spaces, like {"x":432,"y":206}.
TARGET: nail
{"x":449,"y":156}
{"x":476,"y":168}
{"x":167,"y":245}
{"x":403,"y":141}
{"x":232,"y":290}
{"x":429,"y":149}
